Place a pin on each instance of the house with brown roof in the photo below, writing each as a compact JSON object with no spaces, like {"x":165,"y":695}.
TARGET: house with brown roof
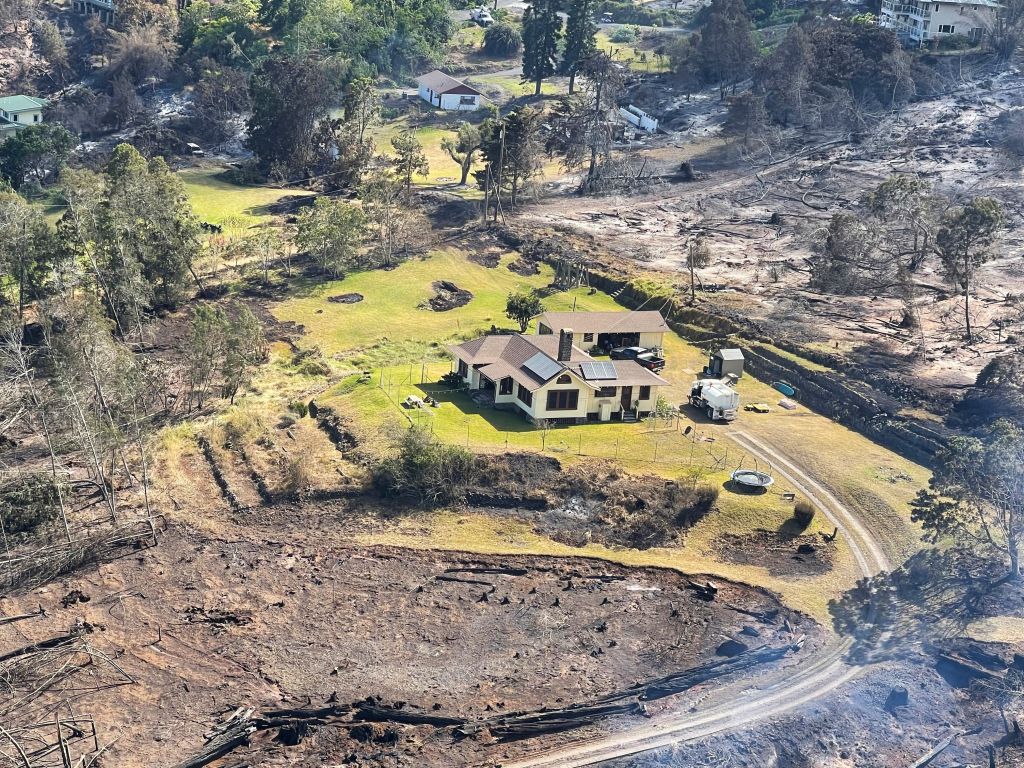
{"x":607,"y":330}
{"x":549,"y":378}
{"x":445,"y":92}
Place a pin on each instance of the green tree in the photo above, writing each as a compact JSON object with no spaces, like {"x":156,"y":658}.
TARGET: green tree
{"x":332,"y":231}
{"x":502,"y":39}
{"x":27,"y":250}
{"x":463,"y":148}
{"x":523,"y":306}
{"x":244,"y":348}
{"x":512,"y":153}
{"x":409,"y":159}
{"x":39,"y":150}
{"x":362,"y":106}
{"x":727,"y":48}
{"x":580,"y":38}
{"x":397,"y":224}
{"x":976,"y":495}
{"x":290,"y":98}
{"x":542,"y":32}
{"x":964,"y":242}
{"x":583,"y":133}
{"x":147,"y":219}
{"x":203,"y":351}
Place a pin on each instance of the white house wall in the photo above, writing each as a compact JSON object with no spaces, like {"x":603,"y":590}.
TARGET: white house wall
{"x":453,"y":103}
{"x":651,"y":340}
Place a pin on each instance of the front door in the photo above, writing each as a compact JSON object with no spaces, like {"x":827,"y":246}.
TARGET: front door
{"x":627,"y":398}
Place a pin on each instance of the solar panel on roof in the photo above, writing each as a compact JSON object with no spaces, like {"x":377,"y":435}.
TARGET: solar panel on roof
{"x":592,"y":371}
{"x":542,"y":366}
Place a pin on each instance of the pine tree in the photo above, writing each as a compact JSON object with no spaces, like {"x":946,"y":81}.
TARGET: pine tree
{"x":542,"y":31}
{"x":580,"y":42}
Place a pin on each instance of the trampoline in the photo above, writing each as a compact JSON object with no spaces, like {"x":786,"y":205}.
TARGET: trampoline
{"x":752,"y":480}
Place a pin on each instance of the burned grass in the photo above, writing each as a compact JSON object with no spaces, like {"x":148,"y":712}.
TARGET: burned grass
{"x":206,"y":624}
{"x":780,"y":553}
{"x":585,"y":502}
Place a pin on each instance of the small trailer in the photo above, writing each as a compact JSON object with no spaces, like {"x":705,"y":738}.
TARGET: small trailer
{"x":716,"y":398}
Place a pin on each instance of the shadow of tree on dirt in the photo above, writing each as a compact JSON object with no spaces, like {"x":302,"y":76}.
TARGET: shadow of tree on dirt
{"x":933,"y":596}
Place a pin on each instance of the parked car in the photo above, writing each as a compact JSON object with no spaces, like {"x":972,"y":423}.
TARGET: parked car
{"x":481,"y":16}
{"x":643,"y":356}
{"x":606,"y":18}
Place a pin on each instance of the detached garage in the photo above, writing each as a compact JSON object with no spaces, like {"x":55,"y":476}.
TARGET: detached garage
{"x":445,"y":92}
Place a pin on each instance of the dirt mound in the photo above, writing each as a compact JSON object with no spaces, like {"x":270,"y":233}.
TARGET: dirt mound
{"x":779,"y":552}
{"x":346,"y":298}
{"x":448,"y":296}
{"x":524,"y":267}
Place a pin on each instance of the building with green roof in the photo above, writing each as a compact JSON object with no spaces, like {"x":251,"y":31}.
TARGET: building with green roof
{"x":17,"y":112}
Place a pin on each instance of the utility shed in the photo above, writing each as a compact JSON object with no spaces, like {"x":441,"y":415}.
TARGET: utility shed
{"x":725,"y":362}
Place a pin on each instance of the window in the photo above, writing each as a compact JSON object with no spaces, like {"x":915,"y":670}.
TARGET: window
{"x":35,"y":118}
{"x":467,"y":101}
{"x":588,"y":337}
{"x":563,"y":400}
{"x":565,"y":378}
{"x":606,"y":392}
{"x":463,"y":368}
{"x":936,"y":7}
{"x":946,"y":29}
{"x":525,"y":396}
{"x":645,"y":393}
{"x":505,"y":387}
{"x":16,"y":118}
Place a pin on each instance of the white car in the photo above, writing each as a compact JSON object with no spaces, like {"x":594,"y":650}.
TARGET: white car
{"x":481,"y":16}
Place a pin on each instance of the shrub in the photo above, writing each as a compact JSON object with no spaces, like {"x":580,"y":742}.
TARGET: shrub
{"x":28,"y":502}
{"x":425,"y":470}
{"x":803,"y":513}
{"x":502,"y":40}
{"x":628,"y":33}
{"x":314,"y":368}
{"x":299,"y":407}
{"x":452,"y":379}
{"x":695,"y":504}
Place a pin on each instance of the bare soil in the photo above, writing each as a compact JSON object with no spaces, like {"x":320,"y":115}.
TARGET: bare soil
{"x":267,"y":618}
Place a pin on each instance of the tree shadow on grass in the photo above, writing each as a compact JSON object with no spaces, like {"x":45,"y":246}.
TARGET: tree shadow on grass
{"x":933,"y":596}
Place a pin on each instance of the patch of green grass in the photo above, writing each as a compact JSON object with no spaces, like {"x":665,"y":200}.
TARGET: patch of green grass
{"x":390,"y":326}
{"x":632,"y":54}
{"x":512,"y":86}
{"x":443,"y":170}
{"x":217,"y":200}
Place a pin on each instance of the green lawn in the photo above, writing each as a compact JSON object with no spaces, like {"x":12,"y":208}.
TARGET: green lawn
{"x":389,"y":326}
{"x":219,"y":201}
{"x":443,"y":170}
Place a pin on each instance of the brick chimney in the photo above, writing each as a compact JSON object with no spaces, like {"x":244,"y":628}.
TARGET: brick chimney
{"x":564,"y":345}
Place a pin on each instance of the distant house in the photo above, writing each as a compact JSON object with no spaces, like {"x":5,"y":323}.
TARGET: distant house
{"x":105,"y":9}
{"x":445,"y":92}
{"x":608,"y":330}
{"x":548,"y":378}
{"x":17,"y":112}
{"x":917,"y":22}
